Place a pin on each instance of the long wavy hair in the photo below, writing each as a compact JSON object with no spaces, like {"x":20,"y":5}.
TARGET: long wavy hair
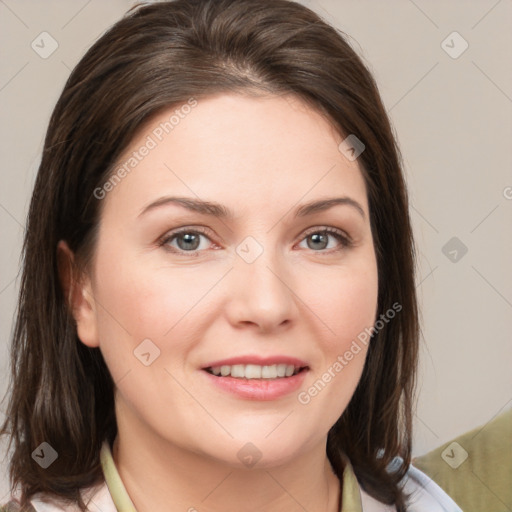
{"x":157,"y":56}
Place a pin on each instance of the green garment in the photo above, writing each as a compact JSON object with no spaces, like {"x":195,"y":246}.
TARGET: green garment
{"x":475,"y":469}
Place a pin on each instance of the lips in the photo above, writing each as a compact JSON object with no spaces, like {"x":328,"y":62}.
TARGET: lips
{"x":255,"y":377}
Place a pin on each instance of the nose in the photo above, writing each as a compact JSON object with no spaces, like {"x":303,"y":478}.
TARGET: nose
{"x":261,"y":289}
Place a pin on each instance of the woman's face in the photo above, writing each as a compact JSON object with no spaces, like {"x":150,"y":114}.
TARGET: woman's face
{"x":253,"y":294}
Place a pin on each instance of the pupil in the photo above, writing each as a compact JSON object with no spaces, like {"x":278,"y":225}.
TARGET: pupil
{"x":317,"y":237}
{"x":189,"y":239}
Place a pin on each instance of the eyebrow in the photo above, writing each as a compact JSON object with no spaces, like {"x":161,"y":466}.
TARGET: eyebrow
{"x":218,"y":210}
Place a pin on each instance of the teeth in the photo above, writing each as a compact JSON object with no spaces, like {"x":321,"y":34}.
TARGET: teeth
{"x":237,"y":370}
{"x":281,"y":370}
{"x":268,"y":372}
{"x":254,"y":371}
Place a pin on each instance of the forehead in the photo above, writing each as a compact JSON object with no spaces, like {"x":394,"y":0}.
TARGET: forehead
{"x":238,"y":150}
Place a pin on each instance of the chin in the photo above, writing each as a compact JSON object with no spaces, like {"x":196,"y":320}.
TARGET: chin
{"x":258,"y":452}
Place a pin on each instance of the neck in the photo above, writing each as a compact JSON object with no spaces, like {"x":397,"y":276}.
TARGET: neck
{"x":161,"y":476}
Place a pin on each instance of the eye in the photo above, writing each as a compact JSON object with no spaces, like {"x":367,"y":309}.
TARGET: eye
{"x":320,"y":239}
{"x":188,"y":240}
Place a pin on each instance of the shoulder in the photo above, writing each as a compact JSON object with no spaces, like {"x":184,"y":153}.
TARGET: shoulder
{"x":424,"y":495}
{"x":475,"y":468}
{"x":421,"y":492}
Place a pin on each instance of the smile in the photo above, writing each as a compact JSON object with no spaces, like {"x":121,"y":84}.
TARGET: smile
{"x":255,"y":371}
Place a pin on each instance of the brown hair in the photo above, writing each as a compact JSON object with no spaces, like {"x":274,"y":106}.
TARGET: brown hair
{"x":158,"y":56}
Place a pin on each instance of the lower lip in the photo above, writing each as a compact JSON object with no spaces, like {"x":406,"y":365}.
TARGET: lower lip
{"x":258,"y":389}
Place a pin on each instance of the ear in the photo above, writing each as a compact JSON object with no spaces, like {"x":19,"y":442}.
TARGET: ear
{"x":77,"y":290}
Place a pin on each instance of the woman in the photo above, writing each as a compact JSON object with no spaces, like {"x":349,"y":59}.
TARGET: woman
{"x":181,"y":342}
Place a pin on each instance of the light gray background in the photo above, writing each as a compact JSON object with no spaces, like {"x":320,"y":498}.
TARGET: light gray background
{"x":452,"y":117}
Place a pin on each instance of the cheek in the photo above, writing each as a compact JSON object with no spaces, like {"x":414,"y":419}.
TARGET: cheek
{"x":347,"y":306}
{"x":141,"y":299}
{"x":138,"y":302}
{"x":343,"y":301}
{"x":350,"y":311}
{"x":355,"y":306}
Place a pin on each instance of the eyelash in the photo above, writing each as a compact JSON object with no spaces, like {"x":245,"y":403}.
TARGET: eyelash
{"x":344,"y":240}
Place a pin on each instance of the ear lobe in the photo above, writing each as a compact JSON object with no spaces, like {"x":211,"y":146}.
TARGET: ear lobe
{"x":77,"y":291}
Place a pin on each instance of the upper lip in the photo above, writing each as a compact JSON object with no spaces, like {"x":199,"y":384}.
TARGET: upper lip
{"x":258,"y":360}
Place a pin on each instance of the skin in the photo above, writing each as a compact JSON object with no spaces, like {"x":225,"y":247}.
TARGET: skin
{"x":178,"y":434}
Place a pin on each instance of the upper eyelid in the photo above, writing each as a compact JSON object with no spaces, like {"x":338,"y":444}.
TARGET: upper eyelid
{"x":205,"y":230}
